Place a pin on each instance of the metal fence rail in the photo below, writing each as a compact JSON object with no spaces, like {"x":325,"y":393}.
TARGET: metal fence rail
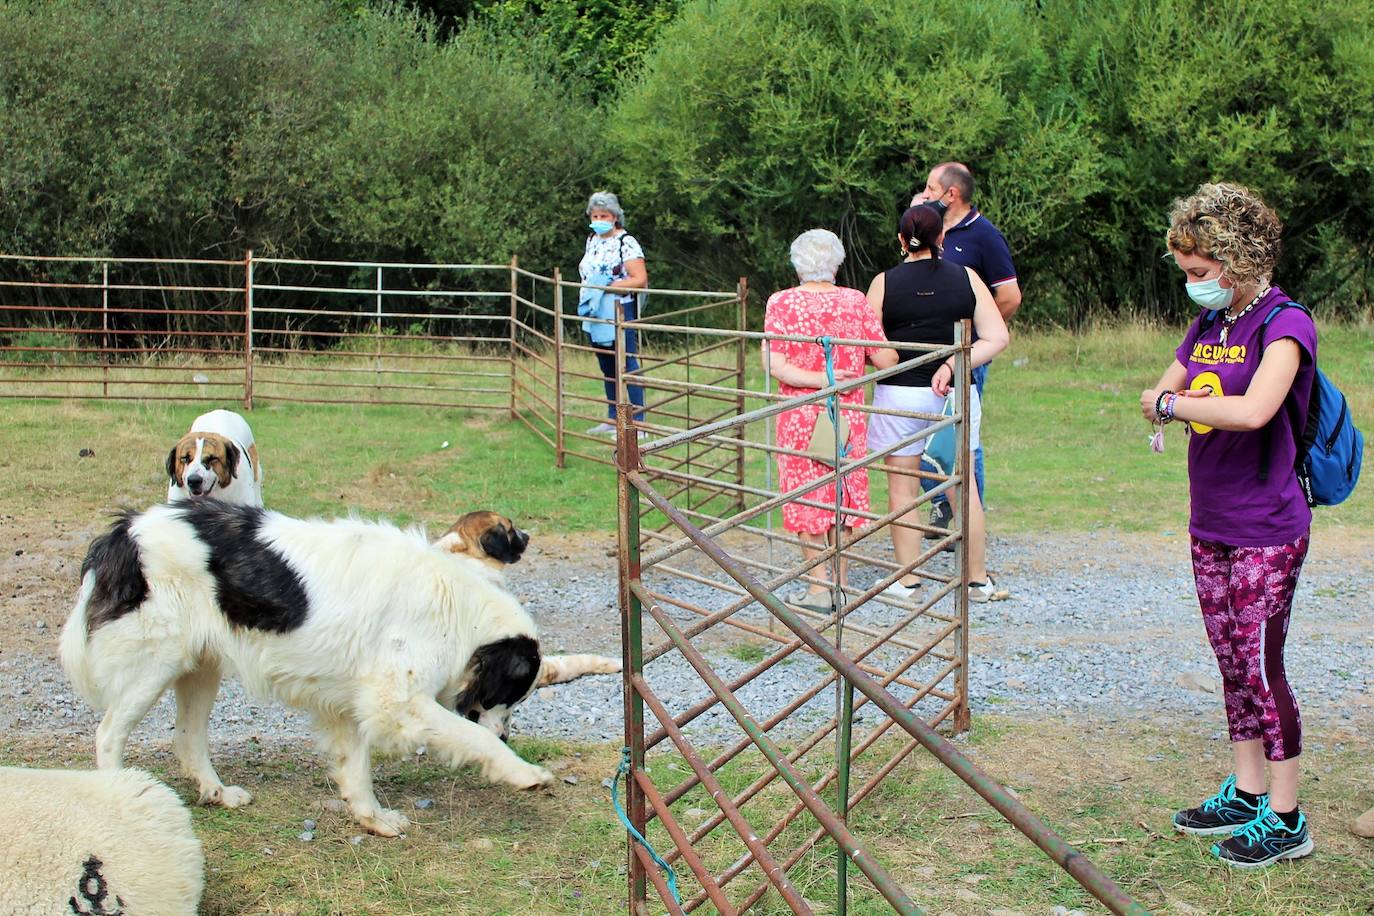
{"x":778,"y":768}
{"x":781,"y":764}
{"x":122,"y":329}
{"x":255,"y":330}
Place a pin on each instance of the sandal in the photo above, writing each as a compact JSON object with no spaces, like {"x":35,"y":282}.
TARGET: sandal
{"x":981,"y":592}
{"x":813,"y":601}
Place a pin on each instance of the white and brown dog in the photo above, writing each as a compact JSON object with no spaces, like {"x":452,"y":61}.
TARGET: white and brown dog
{"x":384,"y":640}
{"x":216,"y":458}
{"x":494,"y":540}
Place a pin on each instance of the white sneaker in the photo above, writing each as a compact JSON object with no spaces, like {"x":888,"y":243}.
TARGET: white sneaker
{"x":987,"y":591}
{"x":602,"y":429}
{"x":898,"y":590}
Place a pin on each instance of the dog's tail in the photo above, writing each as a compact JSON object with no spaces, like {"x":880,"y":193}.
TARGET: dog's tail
{"x":75,"y":646}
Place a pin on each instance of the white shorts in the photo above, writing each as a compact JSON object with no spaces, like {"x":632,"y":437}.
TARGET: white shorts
{"x":883,"y":430}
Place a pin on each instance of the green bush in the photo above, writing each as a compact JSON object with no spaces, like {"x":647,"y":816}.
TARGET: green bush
{"x":757,"y":120}
{"x":1276,"y":95}
{"x":471,"y":130}
{"x":192,"y":129}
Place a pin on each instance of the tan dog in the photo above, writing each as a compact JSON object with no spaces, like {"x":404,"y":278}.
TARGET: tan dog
{"x":218,"y":459}
{"x":485,"y":536}
{"x":494,"y":540}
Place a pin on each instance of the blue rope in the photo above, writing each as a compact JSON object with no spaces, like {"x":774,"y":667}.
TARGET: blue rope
{"x":832,"y":403}
{"x":624,"y":770}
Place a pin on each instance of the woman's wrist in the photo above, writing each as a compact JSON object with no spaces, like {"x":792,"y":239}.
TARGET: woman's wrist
{"x":1159,"y":405}
{"x":1164,"y":405}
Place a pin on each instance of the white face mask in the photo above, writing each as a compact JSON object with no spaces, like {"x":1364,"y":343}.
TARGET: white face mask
{"x":1210,"y":294}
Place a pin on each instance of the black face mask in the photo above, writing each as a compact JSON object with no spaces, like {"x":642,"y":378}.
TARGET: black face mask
{"x":939,"y":204}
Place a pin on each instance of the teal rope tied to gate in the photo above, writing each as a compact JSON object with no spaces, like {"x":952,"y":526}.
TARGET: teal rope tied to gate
{"x":624,"y":770}
{"x":832,"y":403}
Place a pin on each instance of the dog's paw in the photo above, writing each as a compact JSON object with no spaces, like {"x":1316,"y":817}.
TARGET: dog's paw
{"x":608,"y":666}
{"x":384,"y":822}
{"x":234,"y":797}
{"x":225,"y":796}
{"x":532,"y":777}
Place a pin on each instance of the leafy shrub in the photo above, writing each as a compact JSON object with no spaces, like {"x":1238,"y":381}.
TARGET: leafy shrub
{"x":193,"y":129}
{"x":1082,"y":121}
{"x":471,"y":130}
{"x":1274,"y":95}
{"x":757,"y":120}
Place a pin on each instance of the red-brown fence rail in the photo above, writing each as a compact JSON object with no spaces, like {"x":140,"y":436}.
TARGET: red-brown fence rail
{"x":123,"y":329}
{"x":740,"y":781}
{"x":471,"y":337}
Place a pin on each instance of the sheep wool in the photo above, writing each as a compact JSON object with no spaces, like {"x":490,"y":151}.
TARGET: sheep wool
{"x":107,"y":842}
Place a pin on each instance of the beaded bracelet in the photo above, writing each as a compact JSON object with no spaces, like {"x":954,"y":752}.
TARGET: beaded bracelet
{"x":1159,"y":406}
{"x":1169,"y":404}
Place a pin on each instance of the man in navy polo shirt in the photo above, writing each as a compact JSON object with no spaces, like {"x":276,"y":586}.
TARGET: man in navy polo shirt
{"x":971,"y":240}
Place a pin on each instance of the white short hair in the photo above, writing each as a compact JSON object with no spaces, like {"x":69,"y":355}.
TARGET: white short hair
{"x":817,"y":255}
{"x":605,"y":200}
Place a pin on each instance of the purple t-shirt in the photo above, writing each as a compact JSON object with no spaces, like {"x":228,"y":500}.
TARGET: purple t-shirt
{"x":1230,"y":505}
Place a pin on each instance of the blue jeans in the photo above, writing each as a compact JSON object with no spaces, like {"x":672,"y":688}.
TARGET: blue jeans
{"x":978,"y":377}
{"x":605,"y":355}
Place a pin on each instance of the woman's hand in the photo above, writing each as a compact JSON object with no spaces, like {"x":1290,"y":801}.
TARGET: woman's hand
{"x":788,"y":374}
{"x":1148,"y":397}
{"x":943,"y":380}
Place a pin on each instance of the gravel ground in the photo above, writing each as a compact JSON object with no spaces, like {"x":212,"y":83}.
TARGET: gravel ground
{"x":1101,"y":628}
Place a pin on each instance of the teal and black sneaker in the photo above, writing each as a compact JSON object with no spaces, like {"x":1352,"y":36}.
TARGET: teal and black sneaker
{"x":1264,"y":841}
{"x":1222,"y":813}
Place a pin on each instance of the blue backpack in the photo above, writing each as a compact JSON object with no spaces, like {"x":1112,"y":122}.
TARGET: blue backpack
{"x":1331,"y":448}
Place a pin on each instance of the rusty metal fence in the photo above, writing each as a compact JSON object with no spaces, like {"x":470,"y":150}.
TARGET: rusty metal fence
{"x":743,"y":779}
{"x":779,"y":762}
{"x":256,"y":330}
{"x":123,"y":329}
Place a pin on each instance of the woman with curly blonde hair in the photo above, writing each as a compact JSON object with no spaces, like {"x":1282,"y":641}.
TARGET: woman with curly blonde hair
{"x":1242,"y":381}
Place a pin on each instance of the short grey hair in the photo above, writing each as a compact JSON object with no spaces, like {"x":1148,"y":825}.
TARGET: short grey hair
{"x":605,"y":200}
{"x":817,"y":255}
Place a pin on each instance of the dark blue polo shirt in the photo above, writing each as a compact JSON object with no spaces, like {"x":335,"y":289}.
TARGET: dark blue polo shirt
{"x":975,"y":242}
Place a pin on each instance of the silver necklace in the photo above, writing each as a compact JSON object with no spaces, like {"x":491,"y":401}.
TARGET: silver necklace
{"x":1227,"y":319}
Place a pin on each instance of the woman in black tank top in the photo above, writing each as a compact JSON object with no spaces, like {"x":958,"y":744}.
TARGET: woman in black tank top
{"x":920,"y":301}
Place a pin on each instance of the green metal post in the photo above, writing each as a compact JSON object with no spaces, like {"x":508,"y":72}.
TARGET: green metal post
{"x":632,"y":642}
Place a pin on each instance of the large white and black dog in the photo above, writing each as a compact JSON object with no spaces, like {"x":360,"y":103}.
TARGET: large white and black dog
{"x":386,"y":640}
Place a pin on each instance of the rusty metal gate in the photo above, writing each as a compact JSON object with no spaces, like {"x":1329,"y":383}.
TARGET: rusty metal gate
{"x":779,"y":763}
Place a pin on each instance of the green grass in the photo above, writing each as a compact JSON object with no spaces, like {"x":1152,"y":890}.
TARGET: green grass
{"x":318,"y":460}
{"x":1066,"y":447}
{"x":483,"y":849}
{"x":1066,"y":452}
{"x":747,"y":652}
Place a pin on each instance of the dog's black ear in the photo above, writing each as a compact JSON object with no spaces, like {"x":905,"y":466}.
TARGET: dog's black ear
{"x":172,"y":464}
{"x":231,"y":458}
{"x":502,"y":673}
{"x":501,"y":544}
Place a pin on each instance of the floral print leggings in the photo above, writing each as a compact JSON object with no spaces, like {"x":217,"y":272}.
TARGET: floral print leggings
{"x":1246,"y":594}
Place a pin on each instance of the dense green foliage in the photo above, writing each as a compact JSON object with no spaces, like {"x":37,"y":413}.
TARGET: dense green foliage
{"x":594,"y":44}
{"x":204,"y":128}
{"x":756,"y":119}
{"x":473,"y":129}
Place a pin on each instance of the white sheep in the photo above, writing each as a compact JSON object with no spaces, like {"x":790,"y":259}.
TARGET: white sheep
{"x":101,"y":842}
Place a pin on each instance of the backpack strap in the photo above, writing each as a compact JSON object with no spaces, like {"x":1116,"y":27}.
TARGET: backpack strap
{"x":1208,"y":319}
{"x":1266,"y":434}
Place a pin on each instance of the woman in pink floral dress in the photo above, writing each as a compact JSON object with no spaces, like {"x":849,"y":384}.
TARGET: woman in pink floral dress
{"x":816,"y":307}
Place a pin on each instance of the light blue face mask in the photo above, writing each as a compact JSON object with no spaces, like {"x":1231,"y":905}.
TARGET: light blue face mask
{"x":601,"y":226}
{"x":1210,"y":294}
